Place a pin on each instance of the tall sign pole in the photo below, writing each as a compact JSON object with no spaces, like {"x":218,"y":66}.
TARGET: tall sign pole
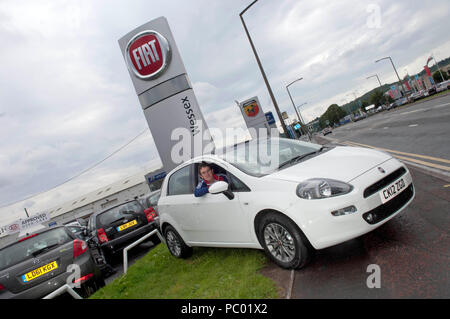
{"x":165,"y":93}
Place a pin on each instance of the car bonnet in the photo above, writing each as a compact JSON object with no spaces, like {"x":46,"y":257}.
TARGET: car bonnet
{"x":341,"y":163}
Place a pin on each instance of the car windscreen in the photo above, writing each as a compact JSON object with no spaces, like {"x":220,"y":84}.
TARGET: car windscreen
{"x":32,"y":247}
{"x":118,"y":213}
{"x":262,"y":157}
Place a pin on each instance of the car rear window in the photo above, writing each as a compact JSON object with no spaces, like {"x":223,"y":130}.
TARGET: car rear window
{"x":153,"y":200}
{"x":117,"y":213}
{"x":32,"y":247}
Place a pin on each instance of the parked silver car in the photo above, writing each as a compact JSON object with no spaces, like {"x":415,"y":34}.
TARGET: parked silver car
{"x":38,"y":264}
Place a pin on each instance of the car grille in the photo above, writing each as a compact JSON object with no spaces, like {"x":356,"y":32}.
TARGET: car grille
{"x":390,"y":207}
{"x":372,"y":189}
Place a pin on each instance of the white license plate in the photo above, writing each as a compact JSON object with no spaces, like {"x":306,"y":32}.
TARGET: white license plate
{"x":389,"y":192}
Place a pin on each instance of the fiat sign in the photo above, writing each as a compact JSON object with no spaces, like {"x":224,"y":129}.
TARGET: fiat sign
{"x":148,"y":54}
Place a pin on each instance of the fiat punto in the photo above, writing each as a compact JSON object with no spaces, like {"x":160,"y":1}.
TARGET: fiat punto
{"x":314,"y":197}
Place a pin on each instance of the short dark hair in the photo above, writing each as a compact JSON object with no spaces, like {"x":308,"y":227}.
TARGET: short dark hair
{"x":203,"y":164}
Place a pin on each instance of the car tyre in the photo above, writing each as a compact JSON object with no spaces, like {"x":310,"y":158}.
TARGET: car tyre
{"x":283,"y":242}
{"x":155,"y":240}
{"x":176,"y":244}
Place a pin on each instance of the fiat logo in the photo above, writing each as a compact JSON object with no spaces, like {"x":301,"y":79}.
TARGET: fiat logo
{"x":381,"y":170}
{"x":148,"y":54}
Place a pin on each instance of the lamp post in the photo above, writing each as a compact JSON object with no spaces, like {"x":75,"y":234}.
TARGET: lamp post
{"x":300,"y":119}
{"x":262,"y":70}
{"x":375,"y":75}
{"x":293,"y":104}
{"x":385,"y":98}
{"x":439,"y":68}
{"x":398,"y":77}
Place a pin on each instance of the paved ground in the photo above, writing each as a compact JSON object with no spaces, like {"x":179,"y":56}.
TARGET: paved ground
{"x":133,"y":255}
{"x":419,"y":128}
{"x":413,"y":249}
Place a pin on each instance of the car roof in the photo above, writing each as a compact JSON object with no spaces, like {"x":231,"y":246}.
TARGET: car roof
{"x":109,"y":208}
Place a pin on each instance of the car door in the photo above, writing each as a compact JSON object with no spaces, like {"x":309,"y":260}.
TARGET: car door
{"x":179,"y":193}
{"x":214,"y":218}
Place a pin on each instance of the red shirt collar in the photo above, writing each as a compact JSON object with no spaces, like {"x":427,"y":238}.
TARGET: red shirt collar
{"x":217,"y":178}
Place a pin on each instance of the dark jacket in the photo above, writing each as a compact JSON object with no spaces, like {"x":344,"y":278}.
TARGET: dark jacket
{"x":202,"y":187}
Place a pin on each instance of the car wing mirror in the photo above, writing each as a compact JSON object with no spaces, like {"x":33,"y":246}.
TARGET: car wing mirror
{"x":218,"y":187}
{"x":221,"y":187}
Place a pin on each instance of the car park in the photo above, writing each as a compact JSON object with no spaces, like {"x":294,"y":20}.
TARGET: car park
{"x":77,"y":230}
{"x":381,"y":108}
{"x":432,"y":90}
{"x":315,"y":198}
{"x":443,"y":86}
{"x":116,"y":227}
{"x":417,"y":95}
{"x":326,"y":131}
{"x":37,"y":265}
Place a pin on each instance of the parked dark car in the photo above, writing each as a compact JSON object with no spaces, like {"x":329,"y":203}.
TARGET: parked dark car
{"x":151,"y":200}
{"x":432,"y":90}
{"x":37,"y":265}
{"x":117,"y":227}
{"x":78,"y":231}
{"x":82,"y":233}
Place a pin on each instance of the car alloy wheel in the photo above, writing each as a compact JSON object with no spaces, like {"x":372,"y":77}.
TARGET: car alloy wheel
{"x":173,"y":243}
{"x":279,"y":242}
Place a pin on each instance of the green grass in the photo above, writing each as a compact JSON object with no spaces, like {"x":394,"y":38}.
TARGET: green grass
{"x":210,"y":273}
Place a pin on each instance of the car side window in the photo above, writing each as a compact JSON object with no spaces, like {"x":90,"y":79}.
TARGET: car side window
{"x":237,"y":185}
{"x":180,"y":182}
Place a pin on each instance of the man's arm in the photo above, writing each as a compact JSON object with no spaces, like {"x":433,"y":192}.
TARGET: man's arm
{"x":201,"y":189}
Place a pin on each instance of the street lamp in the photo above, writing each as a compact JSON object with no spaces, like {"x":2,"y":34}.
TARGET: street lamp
{"x":385,"y":98}
{"x":262,"y":70}
{"x":300,"y":119}
{"x":374,"y":76}
{"x":388,"y":57}
{"x":293,"y":104}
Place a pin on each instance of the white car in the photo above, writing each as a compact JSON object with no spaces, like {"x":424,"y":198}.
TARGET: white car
{"x":315,"y":198}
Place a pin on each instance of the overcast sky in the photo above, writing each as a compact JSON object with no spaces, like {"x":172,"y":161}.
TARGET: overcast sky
{"x":67,"y":101}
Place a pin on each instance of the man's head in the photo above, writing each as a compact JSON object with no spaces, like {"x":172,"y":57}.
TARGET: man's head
{"x":206,"y":172}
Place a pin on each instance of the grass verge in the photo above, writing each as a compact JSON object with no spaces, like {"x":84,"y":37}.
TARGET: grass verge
{"x":210,"y":273}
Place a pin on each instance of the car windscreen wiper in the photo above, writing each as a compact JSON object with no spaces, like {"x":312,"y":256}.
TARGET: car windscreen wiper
{"x":40,"y":251}
{"x":297,"y":158}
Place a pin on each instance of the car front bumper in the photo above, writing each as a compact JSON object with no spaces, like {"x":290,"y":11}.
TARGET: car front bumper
{"x":324,"y":229}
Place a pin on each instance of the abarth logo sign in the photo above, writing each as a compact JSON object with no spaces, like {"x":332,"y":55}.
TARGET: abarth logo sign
{"x":148,"y":54}
{"x":251,"y":108}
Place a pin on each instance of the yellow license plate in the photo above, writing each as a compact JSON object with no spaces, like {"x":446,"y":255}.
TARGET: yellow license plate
{"x":127,"y":225}
{"x":39,"y":271}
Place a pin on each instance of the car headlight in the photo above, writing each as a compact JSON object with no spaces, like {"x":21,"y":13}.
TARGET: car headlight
{"x":317,"y":188}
